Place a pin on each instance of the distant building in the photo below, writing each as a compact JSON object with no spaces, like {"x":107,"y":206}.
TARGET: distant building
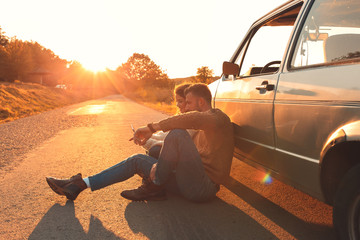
{"x":40,"y":75}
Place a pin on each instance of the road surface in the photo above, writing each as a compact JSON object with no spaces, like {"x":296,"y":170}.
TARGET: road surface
{"x":91,"y":136}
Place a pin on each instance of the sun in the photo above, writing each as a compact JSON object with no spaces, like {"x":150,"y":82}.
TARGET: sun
{"x":94,"y":67}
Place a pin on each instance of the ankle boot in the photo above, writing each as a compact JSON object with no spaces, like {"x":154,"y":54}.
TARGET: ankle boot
{"x":147,"y":191}
{"x":69,"y":187}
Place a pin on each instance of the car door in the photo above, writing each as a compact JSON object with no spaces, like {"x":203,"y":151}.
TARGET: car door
{"x":318,"y":91}
{"x":248,"y":97}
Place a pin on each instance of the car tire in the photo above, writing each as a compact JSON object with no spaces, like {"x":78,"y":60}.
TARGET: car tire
{"x":346,"y":211}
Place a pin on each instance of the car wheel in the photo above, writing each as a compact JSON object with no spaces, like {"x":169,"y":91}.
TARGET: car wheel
{"x":346,"y":211}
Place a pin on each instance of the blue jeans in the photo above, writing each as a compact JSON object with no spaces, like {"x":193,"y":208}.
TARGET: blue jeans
{"x":154,"y":151}
{"x":179,"y":168}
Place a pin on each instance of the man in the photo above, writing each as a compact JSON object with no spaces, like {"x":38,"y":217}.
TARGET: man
{"x":193,"y":167}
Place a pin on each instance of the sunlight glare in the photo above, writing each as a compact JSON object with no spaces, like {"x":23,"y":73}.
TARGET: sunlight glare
{"x":89,"y":109}
{"x":94,"y":67}
{"x":96,"y":109}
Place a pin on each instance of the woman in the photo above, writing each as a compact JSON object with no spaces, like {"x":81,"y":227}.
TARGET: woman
{"x":154,"y":144}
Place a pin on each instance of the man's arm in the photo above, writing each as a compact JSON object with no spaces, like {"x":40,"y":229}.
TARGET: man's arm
{"x":190,"y":120}
{"x":156,"y":126}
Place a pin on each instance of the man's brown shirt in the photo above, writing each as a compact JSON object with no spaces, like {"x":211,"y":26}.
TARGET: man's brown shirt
{"x":214,"y":140}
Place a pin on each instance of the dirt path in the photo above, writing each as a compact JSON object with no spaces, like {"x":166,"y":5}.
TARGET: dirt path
{"x":244,"y":209}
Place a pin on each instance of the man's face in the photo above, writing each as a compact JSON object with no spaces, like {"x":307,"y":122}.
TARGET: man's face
{"x":192,"y":102}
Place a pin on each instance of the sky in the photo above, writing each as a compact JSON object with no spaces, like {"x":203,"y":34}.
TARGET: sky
{"x":179,"y":36}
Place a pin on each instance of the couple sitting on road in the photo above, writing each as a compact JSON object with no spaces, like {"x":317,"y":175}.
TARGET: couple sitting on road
{"x":194,"y":158}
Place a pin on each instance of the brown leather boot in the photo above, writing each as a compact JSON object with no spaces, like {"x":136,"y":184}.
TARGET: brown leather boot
{"x":147,"y":191}
{"x":69,"y":187}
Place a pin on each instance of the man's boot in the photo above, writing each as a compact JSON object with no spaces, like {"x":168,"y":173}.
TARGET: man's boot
{"x":69,"y":187}
{"x":147,"y":191}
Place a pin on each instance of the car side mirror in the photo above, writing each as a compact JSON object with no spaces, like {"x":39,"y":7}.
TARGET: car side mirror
{"x":230,"y":69}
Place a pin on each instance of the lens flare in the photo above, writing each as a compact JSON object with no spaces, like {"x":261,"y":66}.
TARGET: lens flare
{"x":267,"y":179}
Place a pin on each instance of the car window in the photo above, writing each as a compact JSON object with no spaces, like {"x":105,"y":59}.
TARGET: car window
{"x":267,"y":45}
{"x":265,"y":49}
{"x":331,"y":33}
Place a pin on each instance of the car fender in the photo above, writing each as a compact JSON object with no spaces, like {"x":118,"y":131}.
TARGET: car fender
{"x":347,"y":132}
{"x":332,"y":172}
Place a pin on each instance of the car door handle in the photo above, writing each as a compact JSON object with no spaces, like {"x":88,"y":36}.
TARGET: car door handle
{"x":265,"y":86}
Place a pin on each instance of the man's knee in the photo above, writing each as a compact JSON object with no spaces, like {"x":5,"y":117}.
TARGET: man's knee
{"x":178,"y":133}
{"x":177,"y":136}
{"x":137,"y":156}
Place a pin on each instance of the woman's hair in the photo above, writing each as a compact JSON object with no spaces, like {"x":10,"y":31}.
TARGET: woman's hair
{"x":180,"y":89}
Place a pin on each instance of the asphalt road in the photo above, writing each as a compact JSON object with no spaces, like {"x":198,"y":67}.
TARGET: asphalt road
{"x":92,"y":136}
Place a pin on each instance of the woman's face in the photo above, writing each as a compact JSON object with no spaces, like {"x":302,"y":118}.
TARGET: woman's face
{"x":180,"y":103}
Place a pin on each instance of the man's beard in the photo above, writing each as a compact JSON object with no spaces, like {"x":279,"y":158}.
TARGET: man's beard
{"x":197,"y":107}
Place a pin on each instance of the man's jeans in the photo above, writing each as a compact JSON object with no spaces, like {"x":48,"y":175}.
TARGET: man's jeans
{"x":179,"y":168}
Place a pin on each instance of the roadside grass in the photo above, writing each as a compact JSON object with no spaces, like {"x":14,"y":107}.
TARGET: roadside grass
{"x":160,"y":99}
{"x":19,"y":100}
{"x":169,"y":109}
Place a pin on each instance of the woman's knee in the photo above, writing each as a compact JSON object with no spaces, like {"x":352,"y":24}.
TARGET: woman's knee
{"x":154,"y":151}
{"x":141,"y":164}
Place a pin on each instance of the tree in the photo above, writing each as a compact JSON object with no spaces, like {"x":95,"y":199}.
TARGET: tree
{"x":15,"y":60}
{"x":204,"y":75}
{"x":45,"y":59}
{"x":3,"y":39}
{"x":18,"y":59}
{"x":141,"y":71}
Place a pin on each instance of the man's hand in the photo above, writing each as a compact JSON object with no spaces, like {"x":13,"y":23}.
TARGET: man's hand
{"x":141,"y":135}
{"x":152,"y":172}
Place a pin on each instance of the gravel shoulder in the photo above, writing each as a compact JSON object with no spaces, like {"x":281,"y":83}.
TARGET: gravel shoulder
{"x":23,"y":135}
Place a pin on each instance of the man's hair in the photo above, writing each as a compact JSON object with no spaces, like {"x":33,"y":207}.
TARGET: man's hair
{"x":200,"y":90}
{"x":180,"y":89}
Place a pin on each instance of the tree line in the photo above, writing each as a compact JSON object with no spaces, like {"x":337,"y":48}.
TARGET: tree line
{"x":24,"y":61}
{"x":28,"y":61}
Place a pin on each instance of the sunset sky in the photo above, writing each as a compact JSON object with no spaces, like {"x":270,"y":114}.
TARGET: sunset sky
{"x":179,"y":36}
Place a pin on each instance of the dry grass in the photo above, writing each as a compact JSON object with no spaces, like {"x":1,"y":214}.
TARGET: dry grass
{"x":169,"y":109}
{"x":160,"y":99}
{"x":19,"y":100}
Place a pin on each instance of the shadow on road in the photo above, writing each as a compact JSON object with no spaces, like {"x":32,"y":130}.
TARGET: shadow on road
{"x":286,"y":220}
{"x":180,"y":219}
{"x":60,"y":223}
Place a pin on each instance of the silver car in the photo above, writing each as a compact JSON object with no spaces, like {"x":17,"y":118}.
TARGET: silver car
{"x":292,"y":89}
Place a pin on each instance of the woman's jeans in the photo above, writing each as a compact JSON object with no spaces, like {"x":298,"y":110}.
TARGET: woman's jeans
{"x":154,"y":151}
{"x":179,"y":168}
